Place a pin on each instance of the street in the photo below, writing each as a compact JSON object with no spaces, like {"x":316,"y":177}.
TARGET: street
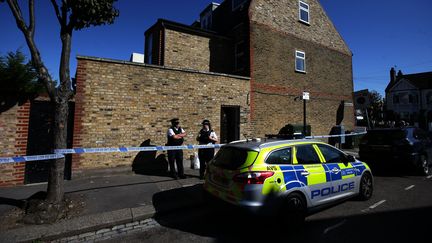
{"x":399,"y":211}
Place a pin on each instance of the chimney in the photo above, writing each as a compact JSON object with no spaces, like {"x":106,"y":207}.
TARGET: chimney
{"x":392,"y":75}
{"x":400,"y":74}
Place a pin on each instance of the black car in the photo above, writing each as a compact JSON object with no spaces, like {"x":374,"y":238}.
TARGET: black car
{"x":400,"y":147}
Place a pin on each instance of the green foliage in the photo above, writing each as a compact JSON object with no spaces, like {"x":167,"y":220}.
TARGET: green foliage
{"x":18,"y":77}
{"x":86,"y":13}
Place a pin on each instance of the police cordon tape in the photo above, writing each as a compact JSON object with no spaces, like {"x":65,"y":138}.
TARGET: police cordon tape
{"x":59,"y":153}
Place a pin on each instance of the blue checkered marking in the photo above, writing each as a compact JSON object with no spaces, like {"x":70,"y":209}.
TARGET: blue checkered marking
{"x":298,"y":170}
{"x":123,"y":149}
{"x":334,"y":176}
{"x":290,"y":177}
{"x":348,"y":171}
{"x":327,"y":172}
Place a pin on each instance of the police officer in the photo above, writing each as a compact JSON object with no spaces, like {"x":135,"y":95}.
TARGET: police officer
{"x":206,"y":136}
{"x":176,"y":136}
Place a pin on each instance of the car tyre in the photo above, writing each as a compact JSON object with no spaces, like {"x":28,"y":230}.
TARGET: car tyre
{"x":295,"y":209}
{"x":424,"y":166}
{"x":366,"y":187}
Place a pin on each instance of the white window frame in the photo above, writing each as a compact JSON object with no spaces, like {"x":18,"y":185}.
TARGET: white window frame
{"x":303,"y":58}
{"x":304,"y":9}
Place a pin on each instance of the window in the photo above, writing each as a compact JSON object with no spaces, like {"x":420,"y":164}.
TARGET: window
{"x":300,"y":61}
{"x":304,"y":12}
{"x":331,"y":155}
{"x":306,"y":154}
{"x":149,"y":52}
{"x":412,"y":99}
{"x":429,"y":98}
{"x":239,"y":63}
{"x":282,"y":156}
{"x":396,"y":99}
{"x":237,"y":4}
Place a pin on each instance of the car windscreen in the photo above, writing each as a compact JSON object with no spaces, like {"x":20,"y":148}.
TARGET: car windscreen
{"x":385,"y":136}
{"x":233,"y":158}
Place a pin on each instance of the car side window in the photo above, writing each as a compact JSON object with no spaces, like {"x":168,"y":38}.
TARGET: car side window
{"x":306,"y":154}
{"x":331,"y":155}
{"x":282,"y":156}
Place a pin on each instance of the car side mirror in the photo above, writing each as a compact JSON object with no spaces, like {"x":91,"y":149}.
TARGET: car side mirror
{"x":349,"y":158}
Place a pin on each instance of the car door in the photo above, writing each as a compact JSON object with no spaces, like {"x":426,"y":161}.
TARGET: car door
{"x":311,"y":173}
{"x":344,"y":178}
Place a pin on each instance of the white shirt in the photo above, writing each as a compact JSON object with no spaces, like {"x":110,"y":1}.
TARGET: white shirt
{"x":172,"y":133}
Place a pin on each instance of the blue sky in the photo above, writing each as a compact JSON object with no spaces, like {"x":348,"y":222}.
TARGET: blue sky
{"x":381,"y":34}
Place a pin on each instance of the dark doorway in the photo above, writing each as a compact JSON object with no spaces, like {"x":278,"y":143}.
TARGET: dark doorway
{"x":230,"y":123}
{"x":40,"y":141}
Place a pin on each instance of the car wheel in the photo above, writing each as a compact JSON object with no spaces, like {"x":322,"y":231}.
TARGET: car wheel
{"x":295,"y":209}
{"x":366,"y":187}
{"x":424,"y":167}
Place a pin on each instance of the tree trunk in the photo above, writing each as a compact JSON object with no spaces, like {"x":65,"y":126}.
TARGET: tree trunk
{"x":56,"y":175}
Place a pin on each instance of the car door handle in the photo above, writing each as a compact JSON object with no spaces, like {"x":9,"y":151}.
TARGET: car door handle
{"x":305,"y":173}
{"x":335,"y":170}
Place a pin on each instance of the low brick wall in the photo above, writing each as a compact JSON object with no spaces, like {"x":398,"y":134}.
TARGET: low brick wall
{"x":13,"y":142}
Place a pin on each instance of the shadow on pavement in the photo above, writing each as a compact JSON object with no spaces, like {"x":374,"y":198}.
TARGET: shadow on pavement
{"x":182,"y":209}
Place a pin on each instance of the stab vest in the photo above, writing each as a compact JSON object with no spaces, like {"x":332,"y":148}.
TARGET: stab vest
{"x":175,"y":142}
{"x":203,"y":137}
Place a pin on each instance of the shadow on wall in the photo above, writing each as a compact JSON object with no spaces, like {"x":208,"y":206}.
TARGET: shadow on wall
{"x":146,"y":162}
{"x":8,"y":101}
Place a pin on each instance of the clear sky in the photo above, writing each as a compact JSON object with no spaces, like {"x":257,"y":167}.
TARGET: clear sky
{"x":381,"y":34}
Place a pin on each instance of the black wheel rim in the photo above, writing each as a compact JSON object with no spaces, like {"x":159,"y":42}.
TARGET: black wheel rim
{"x":366,"y":186}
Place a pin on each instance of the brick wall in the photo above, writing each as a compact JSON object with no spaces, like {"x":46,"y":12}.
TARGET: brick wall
{"x":282,"y":15}
{"x":123,"y":104}
{"x":197,"y":52}
{"x":13,"y":142}
{"x":274,"y":81}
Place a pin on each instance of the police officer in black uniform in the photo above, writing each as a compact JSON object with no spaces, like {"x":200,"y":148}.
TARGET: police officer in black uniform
{"x":175,"y":137}
{"x":206,"y":136}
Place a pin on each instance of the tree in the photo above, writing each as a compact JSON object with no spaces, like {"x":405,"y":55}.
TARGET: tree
{"x":18,"y":80}
{"x":375,"y":109}
{"x":71,"y":15}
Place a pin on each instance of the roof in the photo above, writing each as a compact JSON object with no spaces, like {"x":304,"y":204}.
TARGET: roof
{"x":266,"y":143}
{"x":185,"y":28}
{"x":419,"y":80}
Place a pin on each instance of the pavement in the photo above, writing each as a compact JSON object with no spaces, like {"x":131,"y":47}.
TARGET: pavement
{"x":111,"y":197}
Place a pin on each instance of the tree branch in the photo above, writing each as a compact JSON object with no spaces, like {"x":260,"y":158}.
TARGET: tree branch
{"x":32,"y":18}
{"x":16,"y":11}
{"x":57,"y":11}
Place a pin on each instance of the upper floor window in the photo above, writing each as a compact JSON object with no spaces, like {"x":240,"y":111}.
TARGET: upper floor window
{"x":237,"y":4}
{"x":304,"y":12}
{"x":429,"y":98}
{"x":300,"y":61}
{"x":395,"y":99}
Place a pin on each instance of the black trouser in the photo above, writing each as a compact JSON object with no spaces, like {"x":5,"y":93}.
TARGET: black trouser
{"x":205,"y":155}
{"x":177,"y":156}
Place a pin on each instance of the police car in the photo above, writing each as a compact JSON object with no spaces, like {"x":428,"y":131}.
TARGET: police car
{"x":295,"y":176}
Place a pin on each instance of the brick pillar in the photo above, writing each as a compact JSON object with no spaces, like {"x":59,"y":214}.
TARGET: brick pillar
{"x":79,"y":102}
{"x":13,"y":174}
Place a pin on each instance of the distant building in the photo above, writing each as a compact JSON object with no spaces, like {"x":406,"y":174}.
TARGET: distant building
{"x":409,"y":98}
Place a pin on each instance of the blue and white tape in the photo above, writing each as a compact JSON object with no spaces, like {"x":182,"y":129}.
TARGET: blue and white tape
{"x":133,"y":149}
{"x":19,"y":159}
{"x":59,"y":153}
